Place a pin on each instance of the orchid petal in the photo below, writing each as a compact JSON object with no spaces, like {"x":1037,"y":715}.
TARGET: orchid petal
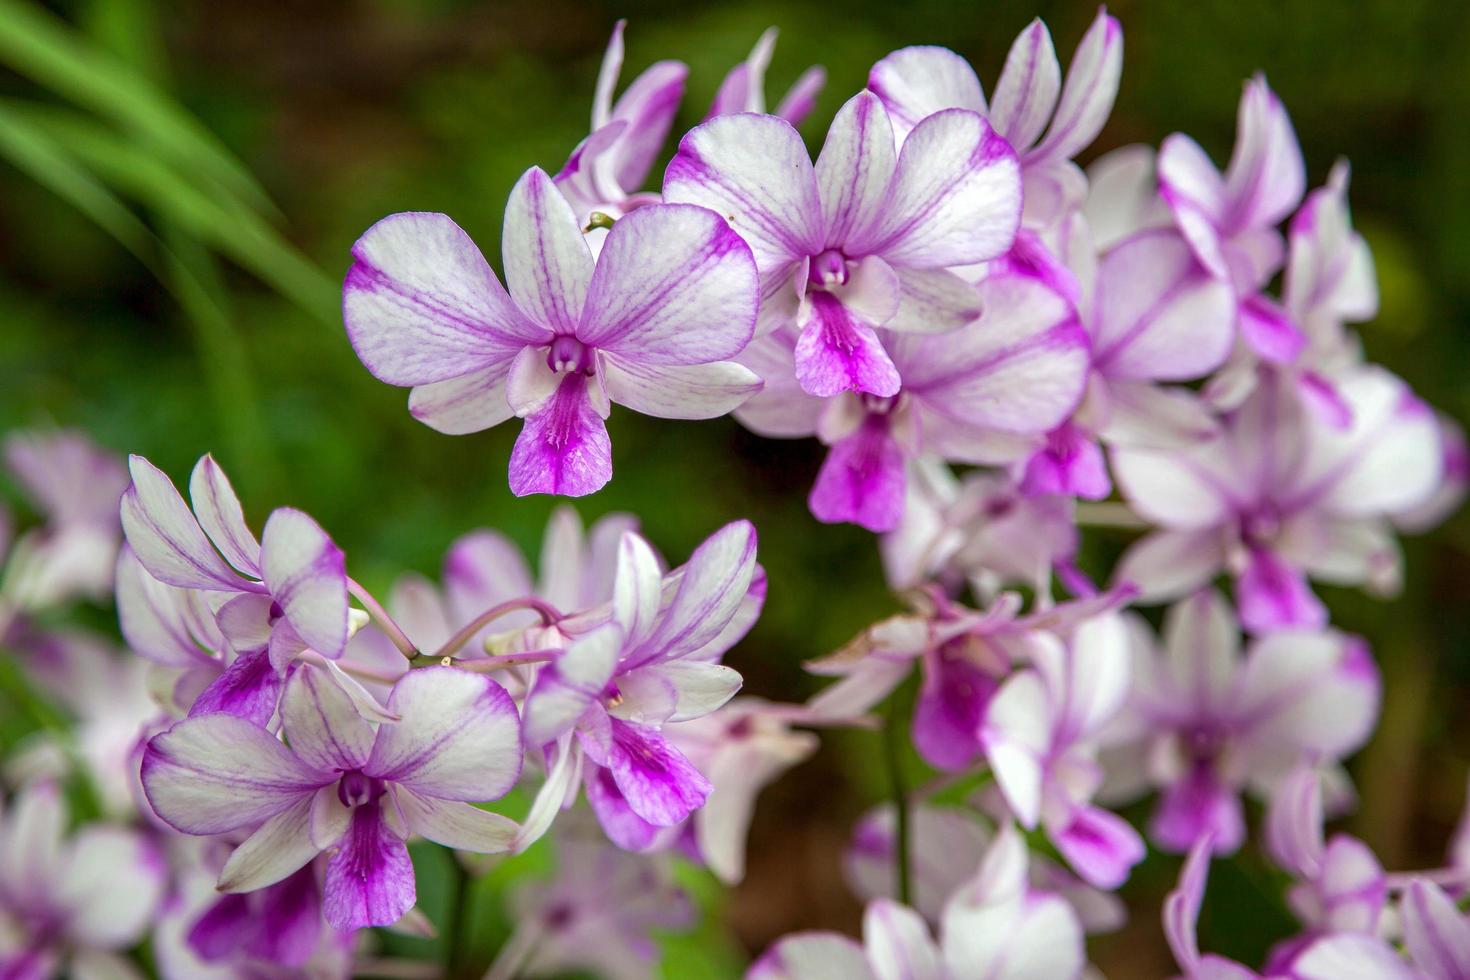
{"x":307,"y":578}
{"x":459,"y":737}
{"x":567,"y":686}
{"x":1435,"y":931}
{"x":659,"y":783}
{"x":370,"y":879}
{"x":215,"y":773}
{"x":898,"y":944}
{"x":167,"y":538}
{"x":710,"y":593}
{"x":422,"y":305}
{"x":914,"y":83}
{"x":1267,"y":175}
{"x":468,"y":403}
{"x":1160,"y":316}
{"x":563,"y":448}
{"x":1021,"y":367}
{"x":861,"y":481}
{"x":813,"y":956}
{"x":674,"y":285}
{"x":838,"y":351}
{"x":679,"y":391}
{"x":280,"y":847}
{"x":955,"y":196}
{"x":322,"y":724}
{"x":456,"y":825}
{"x":1088,"y":95}
{"x":855,"y":167}
{"x":248,"y":688}
{"x":114,"y":882}
{"x":755,"y":172}
{"x":221,"y":516}
{"x":1026,"y":94}
{"x":548,"y":265}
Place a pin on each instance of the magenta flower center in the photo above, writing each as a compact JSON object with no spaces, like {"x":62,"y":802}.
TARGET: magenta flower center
{"x":829,"y":269}
{"x":356,"y":788}
{"x":568,"y":355}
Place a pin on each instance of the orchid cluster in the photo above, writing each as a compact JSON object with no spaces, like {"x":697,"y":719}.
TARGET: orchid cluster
{"x":997,"y":348}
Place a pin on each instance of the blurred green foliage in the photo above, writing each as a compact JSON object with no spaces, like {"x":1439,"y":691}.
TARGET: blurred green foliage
{"x":183,"y":181}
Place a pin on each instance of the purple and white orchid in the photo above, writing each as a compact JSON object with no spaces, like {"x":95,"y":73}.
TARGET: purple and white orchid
{"x":650,"y":323}
{"x":339,"y":784}
{"x":1205,"y":720}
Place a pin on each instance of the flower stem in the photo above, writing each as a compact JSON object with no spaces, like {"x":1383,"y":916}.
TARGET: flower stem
{"x":893,"y":754}
{"x":385,"y":622}
{"x":548,"y":613}
{"x":459,"y":911}
{"x":488,"y":665}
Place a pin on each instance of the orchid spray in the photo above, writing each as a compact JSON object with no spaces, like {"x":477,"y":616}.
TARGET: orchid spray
{"x":998,"y":350}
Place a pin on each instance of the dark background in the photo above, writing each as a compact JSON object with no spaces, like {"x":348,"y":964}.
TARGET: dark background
{"x":216,"y":328}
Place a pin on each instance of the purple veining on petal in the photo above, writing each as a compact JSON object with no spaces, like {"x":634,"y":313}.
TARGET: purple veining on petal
{"x":838,"y":352}
{"x":563,"y":447}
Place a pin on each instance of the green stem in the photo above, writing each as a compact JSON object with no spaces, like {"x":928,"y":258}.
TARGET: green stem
{"x":893,"y":754}
{"x":459,"y":910}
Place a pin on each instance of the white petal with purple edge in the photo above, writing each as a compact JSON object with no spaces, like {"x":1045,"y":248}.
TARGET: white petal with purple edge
{"x":934,"y":301}
{"x":457,"y":825}
{"x":220,"y":514}
{"x":813,"y":956}
{"x":564,"y":688}
{"x":459,"y":737}
{"x":674,"y":285}
{"x":1021,"y":367}
{"x":422,"y":305}
{"x":280,"y":847}
{"x":152,"y":616}
{"x":1026,"y":93}
{"x":1166,"y":565}
{"x":1192,"y":188}
{"x":637,"y":588}
{"x":898,"y":943}
{"x":548,"y":265}
{"x":1266,"y":175}
{"x":713,"y":587}
{"x":167,"y":538}
{"x":855,"y":167}
{"x":1160,"y":315}
{"x":321,"y":723}
{"x":307,"y":577}
{"x":754,"y":172}
{"x":1014,"y":734}
{"x":679,"y":391}
{"x":216,"y":773}
{"x":1435,"y":931}
{"x":468,"y":403}
{"x":955,"y":197}
{"x":914,"y":83}
{"x":1089,"y":92}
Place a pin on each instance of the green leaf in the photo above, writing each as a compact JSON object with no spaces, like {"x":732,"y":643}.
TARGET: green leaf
{"x":43,"y":48}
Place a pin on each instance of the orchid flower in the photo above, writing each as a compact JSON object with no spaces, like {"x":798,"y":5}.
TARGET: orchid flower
{"x":744,"y":87}
{"x":963,"y":656}
{"x":916,"y":82}
{"x":1341,"y":886}
{"x":1329,"y":283}
{"x":649,"y":660}
{"x":339,"y":785}
{"x":1230,"y":220}
{"x":994,"y":927}
{"x":980,"y":530}
{"x":650,"y":323}
{"x":984,"y":393}
{"x":1343,"y":956}
{"x":1284,"y":493}
{"x":71,"y":906}
{"x":1153,"y":315}
{"x":272,"y":599}
{"x":607,"y":170}
{"x":740,"y":748}
{"x":76,"y":486}
{"x":1206,"y":720}
{"x":862,"y":239}
{"x":1040,"y":735}
{"x":596,"y":913}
